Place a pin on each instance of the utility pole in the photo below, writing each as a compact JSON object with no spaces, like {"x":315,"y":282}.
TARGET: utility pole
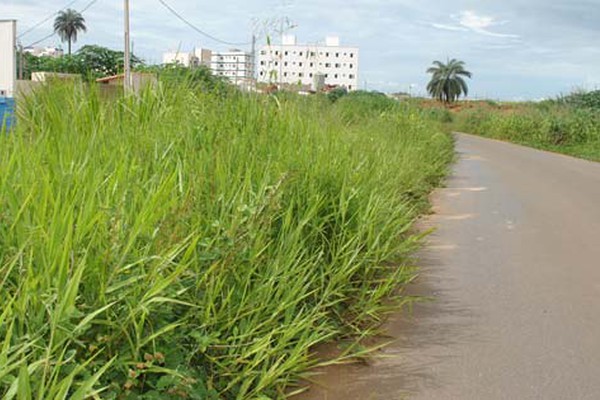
{"x":21,"y":61}
{"x":253,"y":52}
{"x":127,"y":55}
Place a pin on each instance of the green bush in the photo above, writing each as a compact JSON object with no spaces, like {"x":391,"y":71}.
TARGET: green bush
{"x":548,"y":125}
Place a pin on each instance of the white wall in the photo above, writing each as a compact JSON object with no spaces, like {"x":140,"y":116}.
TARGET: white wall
{"x":8,"y":67}
{"x":234,"y":65}
{"x":292,"y":64}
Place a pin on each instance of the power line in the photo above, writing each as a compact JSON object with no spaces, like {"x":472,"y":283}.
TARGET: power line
{"x":200,"y":31}
{"x":41,"y":40}
{"x":42,"y":22}
{"x":84,"y":9}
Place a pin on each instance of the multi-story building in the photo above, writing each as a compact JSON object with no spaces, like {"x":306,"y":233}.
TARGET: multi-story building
{"x":197,"y":57}
{"x":292,"y":64}
{"x":50,"y":51}
{"x":236,"y":65}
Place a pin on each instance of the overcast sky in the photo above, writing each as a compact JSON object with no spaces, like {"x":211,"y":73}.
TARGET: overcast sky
{"x":516,"y":49}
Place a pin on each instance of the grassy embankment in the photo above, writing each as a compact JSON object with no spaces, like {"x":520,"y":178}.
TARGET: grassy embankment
{"x":198,"y":245}
{"x":570,"y":125}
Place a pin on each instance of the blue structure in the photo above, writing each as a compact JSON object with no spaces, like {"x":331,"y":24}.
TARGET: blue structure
{"x":7,"y":113}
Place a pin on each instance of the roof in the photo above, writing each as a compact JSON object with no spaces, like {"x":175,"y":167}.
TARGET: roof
{"x":121,"y":76}
{"x":110,"y":78}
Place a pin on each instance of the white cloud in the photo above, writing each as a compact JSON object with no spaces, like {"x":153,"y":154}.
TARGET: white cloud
{"x":448,"y":27}
{"x":470,"y":21}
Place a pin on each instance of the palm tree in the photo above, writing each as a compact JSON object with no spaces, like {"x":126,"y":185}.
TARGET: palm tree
{"x":447,"y":82}
{"x":67,"y":24}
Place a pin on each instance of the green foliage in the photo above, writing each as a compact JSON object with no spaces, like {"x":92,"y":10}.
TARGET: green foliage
{"x":362,"y":104}
{"x":583,"y":99}
{"x":193,"y":244}
{"x":337,"y":94}
{"x":91,"y":62}
{"x":200,"y":77}
{"x":68,"y":24}
{"x":447,"y":82}
{"x":548,"y":125}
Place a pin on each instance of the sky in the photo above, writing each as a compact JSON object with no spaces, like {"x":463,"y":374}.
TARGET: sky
{"x":516,"y":49}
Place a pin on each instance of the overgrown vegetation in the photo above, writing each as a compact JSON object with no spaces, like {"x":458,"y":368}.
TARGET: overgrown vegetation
{"x":569,"y":125}
{"x":91,"y":62}
{"x":191,"y":244}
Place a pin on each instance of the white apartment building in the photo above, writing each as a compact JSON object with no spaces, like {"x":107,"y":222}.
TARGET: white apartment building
{"x":236,"y":65}
{"x":50,"y":51}
{"x":195,"y":58}
{"x":290,"y":63}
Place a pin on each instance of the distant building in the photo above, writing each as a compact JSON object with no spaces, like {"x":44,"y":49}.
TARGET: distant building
{"x":51,"y":51}
{"x":235,"y":65}
{"x":311,"y":65}
{"x":192,"y":59}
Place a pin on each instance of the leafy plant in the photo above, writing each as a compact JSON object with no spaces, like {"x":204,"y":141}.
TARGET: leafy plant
{"x":447,"y":82}
{"x":187,"y":243}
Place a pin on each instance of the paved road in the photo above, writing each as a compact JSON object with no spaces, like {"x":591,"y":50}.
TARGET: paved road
{"x":515,"y":272}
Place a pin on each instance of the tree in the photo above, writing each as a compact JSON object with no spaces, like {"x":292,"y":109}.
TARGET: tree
{"x":90,"y":61}
{"x":447,"y":82}
{"x":68,"y":24}
{"x":100,"y":61}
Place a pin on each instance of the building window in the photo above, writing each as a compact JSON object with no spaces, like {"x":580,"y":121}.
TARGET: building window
{"x":276,"y":63}
{"x":312,"y":54}
{"x":326,"y":75}
{"x":276,"y":52}
{"x":335,"y":76}
{"x":263,"y":52}
{"x":300,"y":54}
{"x":351,"y":66}
{"x":285,"y":63}
{"x":351,"y":55}
{"x":337,"y":65}
{"x":326,"y":54}
{"x":300,"y":74}
{"x":349,"y":87}
{"x":286,"y":53}
{"x":299,"y":64}
{"x":262,"y":63}
{"x":312,"y":65}
{"x":285,"y":74}
{"x":261,"y":73}
{"x":310,"y":75}
{"x":327,"y":65}
{"x":337,"y":54}
{"x":351,"y":76}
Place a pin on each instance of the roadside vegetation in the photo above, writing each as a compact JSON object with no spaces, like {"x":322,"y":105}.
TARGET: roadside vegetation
{"x":198,"y":244}
{"x":569,"y":125}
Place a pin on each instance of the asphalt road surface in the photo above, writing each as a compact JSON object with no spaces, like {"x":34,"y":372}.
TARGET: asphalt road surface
{"x":514,"y":271}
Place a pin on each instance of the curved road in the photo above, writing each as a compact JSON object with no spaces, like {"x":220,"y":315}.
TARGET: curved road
{"x":514,"y":270}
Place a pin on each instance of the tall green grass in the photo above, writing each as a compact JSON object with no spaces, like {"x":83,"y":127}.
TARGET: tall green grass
{"x":564,"y":128}
{"x":183,"y":244}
